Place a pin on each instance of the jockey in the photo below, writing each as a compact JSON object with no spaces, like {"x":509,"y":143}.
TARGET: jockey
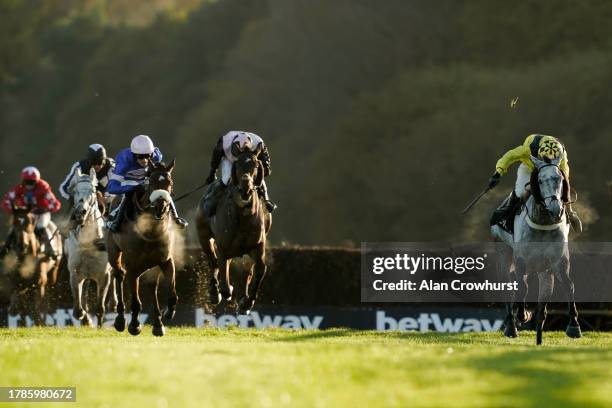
{"x":224,"y":155}
{"x":95,"y":158}
{"x":129,"y":174}
{"x":35,"y":193}
{"x":543,"y":147}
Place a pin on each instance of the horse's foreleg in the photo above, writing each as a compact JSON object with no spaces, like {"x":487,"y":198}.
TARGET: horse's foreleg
{"x":76,"y":286}
{"x":39,"y":298}
{"x":102,"y":287}
{"x":134,"y":327}
{"x":114,"y":259}
{"x":169,"y":272}
{"x":546,"y":284}
{"x":111,"y":297}
{"x":158,"y":326}
{"x":225,"y":287}
{"x":522,"y":314}
{"x":254,"y":280}
{"x":504,"y":264}
{"x":573,"y":327}
{"x":213,"y":265}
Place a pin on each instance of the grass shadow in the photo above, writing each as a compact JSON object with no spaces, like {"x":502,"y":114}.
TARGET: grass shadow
{"x":547,"y":377}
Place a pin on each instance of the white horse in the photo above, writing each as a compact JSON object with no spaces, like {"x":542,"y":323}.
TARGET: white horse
{"x":84,"y":248}
{"x":539,"y":246}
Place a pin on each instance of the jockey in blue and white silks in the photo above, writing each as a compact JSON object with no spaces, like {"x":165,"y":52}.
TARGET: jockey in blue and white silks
{"x":131,"y":165}
{"x":94,"y":159}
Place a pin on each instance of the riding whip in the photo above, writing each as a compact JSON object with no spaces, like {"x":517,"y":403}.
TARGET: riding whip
{"x":475,"y":200}
{"x":190,"y":192}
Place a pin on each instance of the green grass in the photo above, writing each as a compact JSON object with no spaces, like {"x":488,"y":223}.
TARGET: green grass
{"x":332,"y":368}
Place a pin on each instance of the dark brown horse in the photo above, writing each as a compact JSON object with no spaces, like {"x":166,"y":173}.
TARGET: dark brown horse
{"x":240,"y":226}
{"x":145,"y":241}
{"x":31,"y":270}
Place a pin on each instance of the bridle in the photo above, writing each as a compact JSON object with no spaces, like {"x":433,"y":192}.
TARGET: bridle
{"x":92,"y":201}
{"x":541,"y":201}
{"x":150,"y":206}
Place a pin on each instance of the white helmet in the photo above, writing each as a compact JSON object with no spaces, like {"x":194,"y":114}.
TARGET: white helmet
{"x":142,"y":144}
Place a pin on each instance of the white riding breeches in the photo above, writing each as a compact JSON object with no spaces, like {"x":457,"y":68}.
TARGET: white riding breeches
{"x":42,"y":220}
{"x":523,"y":175}
{"x":226,"y":171}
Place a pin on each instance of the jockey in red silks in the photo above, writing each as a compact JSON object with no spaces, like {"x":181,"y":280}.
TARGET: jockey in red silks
{"x":35,"y":193}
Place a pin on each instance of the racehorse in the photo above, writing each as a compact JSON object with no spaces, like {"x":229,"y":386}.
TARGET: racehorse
{"x":540,"y":245}
{"x":86,"y":257}
{"x":30,"y":268}
{"x":145,"y":241}
{"x":239,"y":226}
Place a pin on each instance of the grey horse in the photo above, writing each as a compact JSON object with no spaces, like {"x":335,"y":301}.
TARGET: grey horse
{"x":240,"y":226}
{"x":539,"y":245}
{"x":86,"y":259}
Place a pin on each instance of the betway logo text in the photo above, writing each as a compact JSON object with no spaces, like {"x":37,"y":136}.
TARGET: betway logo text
{"x":432,"y":321}
{"x":63,"y":318}
{"x":258,"y":321}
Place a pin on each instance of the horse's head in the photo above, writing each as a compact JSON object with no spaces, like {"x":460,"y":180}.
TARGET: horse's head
{"x":84,"y":197}
{"x":23,"y":227}
{"x":247,"y":174}
{"x":160,"y":188}
{"x":548,"y":185}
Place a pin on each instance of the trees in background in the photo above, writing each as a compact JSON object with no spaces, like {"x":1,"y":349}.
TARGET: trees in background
{"x":382,"y":119}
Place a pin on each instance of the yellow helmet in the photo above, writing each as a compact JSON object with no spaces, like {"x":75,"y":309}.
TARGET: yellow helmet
{"x":550,"y":148}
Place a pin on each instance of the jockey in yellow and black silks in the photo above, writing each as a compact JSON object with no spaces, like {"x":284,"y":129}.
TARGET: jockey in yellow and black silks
{"x":543,"y":147}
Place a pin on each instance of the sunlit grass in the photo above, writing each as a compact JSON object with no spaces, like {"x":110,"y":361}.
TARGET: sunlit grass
{"x":230,"y":367}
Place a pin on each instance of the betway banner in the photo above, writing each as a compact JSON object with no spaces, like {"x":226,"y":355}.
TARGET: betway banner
{"x":449,"y":320}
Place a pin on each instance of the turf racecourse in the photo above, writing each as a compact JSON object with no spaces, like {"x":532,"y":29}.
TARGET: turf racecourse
{"x":331,"y":368}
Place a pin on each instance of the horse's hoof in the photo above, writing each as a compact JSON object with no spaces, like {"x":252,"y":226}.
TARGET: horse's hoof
{"x":245,"y":305}
{"x":159,"y":330}
{"x":120,"y":323}
{"x":134,"y":329}
{"x":510,"y":331}
{"x":86,"y":321}
{"x":78,"y":314}
{"x":226,"y":293}
{"x":526,"y":317}
{"x":573,"y":332}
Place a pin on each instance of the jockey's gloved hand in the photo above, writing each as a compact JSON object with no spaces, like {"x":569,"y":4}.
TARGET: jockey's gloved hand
{"x":494,"y":180}
{"x":211,"y":176}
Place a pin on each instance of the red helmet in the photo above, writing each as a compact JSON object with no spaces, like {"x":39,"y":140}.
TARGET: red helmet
{"x":30,"y":173}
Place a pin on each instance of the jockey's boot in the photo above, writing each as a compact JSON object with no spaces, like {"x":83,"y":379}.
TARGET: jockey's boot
{"x":574,"y":220}
{"x":506,"y":210}
{"x":180,"y":221}
{"x":45,"y":238}
{"x":116,"y":216}
{"x":263,"y":192}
